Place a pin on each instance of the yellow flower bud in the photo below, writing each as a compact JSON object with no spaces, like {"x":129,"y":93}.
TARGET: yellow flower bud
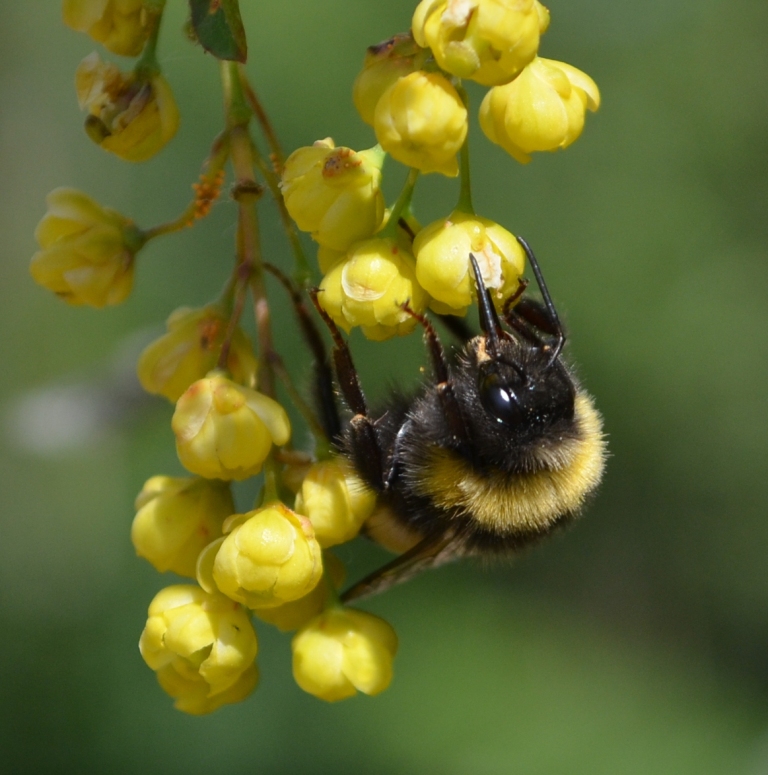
{"x":88,"y":251}
{"x":422,"y":122}
{"x":328,"y":258}
{"x":207,"y":640}
{"x":334,"y":193}
{"x":270,"y":557}
{"x":121,"y":26}
{"x":130,"y":116}
{"x":191,"y":692}
{"x":344,"y":651}
{"x":336,"y":502}
{"x":541,"y":110}
{"x":443,"y":266}
{"x":224,"y":430}
{"x":190,"y":349}
{"x":489,"y":41}
{"x":543,"y":13}
{"x":369,"y":287}
{"x":291,"y":616}
{"x":177,"y":518}
{"x":384,"y":63}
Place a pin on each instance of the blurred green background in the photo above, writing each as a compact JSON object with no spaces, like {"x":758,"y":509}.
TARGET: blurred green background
{"x":635,"y":643}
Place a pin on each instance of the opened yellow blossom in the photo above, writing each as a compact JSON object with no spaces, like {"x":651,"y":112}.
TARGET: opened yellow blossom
{"x":369,"y":288}
{"x":129,"y":115}
{"x":489,"y":41}
{"x":201,"y":645}
{"x":543,"y":109}
{"x":224,"y":430}
{"x":87,"y":251}
{"x":270,"y":557}
{"x":291,"y":616}
{"x":121,"y":26}
{"x":335,"y":500}
{"x":176,"y":518}
{"x":344,"y":651}
{"x":190,"y":349}
{"x":422,"y":122}
{"x":334,"y":193}
{"x":384,"y":63}
{"x":443,"y":265}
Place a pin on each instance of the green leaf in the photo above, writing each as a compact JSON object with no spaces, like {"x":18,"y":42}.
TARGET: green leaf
{"x":219,"y":29}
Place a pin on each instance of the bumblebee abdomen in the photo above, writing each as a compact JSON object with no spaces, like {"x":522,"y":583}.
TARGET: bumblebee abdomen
{"x":498,"y":506}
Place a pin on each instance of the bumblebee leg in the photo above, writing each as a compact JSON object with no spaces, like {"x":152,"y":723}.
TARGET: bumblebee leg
{"x":544,"y":317}
{"x":366,"y":450}
{"x":444,"y":385}
{"x":430,"y":552}
{"x":522,"y":284}
{"x":325,"y":396}
{"x":529,"y":319}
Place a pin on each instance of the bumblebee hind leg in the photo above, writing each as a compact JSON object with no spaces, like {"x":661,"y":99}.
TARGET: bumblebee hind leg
{"x":366,"y":449}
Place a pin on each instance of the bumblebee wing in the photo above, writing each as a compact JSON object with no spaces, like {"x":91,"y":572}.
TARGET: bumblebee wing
{"x":430,"y":552}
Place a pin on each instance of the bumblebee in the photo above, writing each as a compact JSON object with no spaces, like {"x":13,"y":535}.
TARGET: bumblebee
{"x":500,"y":449}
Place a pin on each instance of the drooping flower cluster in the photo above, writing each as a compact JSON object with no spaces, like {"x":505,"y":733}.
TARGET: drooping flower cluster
{"x":269,"y":560}
{"x":381,"y":272}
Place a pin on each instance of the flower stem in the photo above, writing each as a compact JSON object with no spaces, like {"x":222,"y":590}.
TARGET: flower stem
{"x":242,"y":276}
{"x":271,"y":492}
{"x":207,"y":190}
{"x":303,"y":273}
{"x":271,"y":170}
{"x":464,"y":204}
{"x":401,"y":205}
{"x":246,"y":192}
{"x":261,"y":116}
{"x":147,"y":65}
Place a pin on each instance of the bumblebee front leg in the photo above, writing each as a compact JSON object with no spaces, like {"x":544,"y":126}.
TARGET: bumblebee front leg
{"x":443,"y":384}
{"x":529,"y":316}
{"x":363,"y":439}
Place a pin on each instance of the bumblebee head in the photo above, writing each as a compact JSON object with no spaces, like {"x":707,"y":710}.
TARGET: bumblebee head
{"x":518,"y":393}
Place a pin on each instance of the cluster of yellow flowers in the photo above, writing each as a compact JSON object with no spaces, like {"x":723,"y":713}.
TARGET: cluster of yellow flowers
{"x":133,"y":115}
{"x":379,"y":267}
{"x":375,"y":260}
{"x":269,"y":561}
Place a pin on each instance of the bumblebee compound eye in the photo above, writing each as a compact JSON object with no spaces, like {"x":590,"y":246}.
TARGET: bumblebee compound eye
{"x":500,"y":400}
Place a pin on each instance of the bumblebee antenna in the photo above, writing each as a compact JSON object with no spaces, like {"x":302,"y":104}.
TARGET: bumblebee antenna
{"x":489,"y":320}
{"x":557,"y":326}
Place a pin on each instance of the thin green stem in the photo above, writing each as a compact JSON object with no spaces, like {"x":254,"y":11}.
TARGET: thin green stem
{"x":245,"y":105}
{"x":303,"y":272}
{"x":240,"y":290}
{"x":147,"y":65}
{"x":246,"y":193}
{"x":262,"y":118}
{"x":465,"y":193}
{"x":238,"y":112}
{"x":401,"y":205}
{"x":206,"y":191}
{"x":271,"y":490}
